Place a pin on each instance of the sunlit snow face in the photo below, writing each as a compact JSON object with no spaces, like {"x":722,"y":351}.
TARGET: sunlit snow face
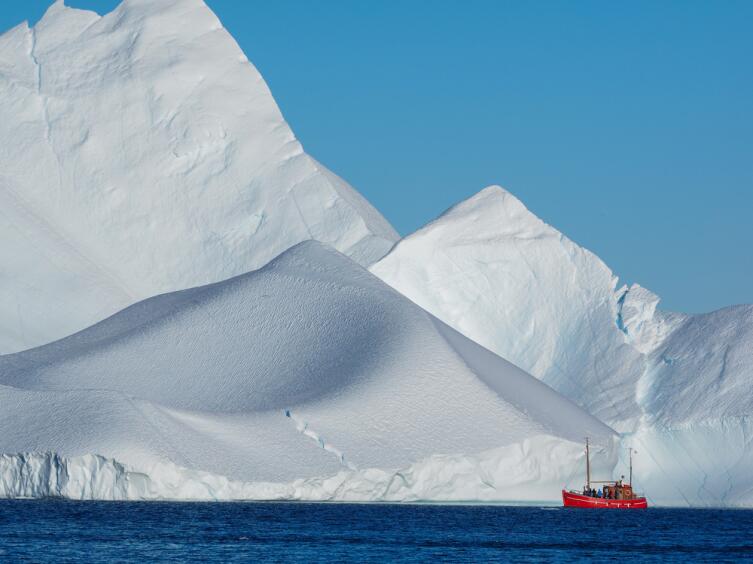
{"x":144,"y":154}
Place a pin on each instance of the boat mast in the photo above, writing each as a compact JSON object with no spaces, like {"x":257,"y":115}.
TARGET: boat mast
{"x":631,"y":465}
{"x":588,"y":466}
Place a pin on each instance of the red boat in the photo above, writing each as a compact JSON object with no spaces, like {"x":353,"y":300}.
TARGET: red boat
{"x":611,"y":495}
{"x":572,"y":499}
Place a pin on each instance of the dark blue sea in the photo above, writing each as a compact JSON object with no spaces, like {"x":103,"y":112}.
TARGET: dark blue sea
{"x":60,"y":531}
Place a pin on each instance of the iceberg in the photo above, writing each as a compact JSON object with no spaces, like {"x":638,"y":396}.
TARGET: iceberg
{"x":192,"y":307}
{"x":307,"y":379}
{"x":676,"y":386}
{"x":143,"y":153}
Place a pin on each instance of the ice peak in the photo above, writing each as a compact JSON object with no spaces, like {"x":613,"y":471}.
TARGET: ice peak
{"x":59,"y":8}
{"x":493,"y":190}
{"x":182,"y":16}
{"x":197,"y":10}
{"x":490,"y":199}
{"x":489,"y":214}
{"x":67,"y":21}
{"x":56,"y":7}
{"x":319,"y":259}
{"x":150,"y":5}
{"x":312,"y":249}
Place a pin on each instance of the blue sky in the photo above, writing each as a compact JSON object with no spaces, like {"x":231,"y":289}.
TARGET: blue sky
{"x":626,"y":125}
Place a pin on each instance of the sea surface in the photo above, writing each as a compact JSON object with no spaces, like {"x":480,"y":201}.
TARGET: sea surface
{"x":60,"y":531}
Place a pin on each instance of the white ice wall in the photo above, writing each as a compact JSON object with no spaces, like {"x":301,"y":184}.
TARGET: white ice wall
{"x":141,"y":153}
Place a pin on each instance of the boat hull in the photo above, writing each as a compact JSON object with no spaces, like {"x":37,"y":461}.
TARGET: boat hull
{"x":570,"y":499}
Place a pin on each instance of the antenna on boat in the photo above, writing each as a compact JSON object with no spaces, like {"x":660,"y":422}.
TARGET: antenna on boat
{"x":588,"y":466}
{"x":631,"y":450}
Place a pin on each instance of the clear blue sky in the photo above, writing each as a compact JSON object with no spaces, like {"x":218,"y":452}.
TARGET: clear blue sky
{"x":626,"y":125}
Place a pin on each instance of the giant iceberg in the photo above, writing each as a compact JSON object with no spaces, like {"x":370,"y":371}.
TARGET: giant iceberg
{"x":143,"y":153}
{"x":186,"y":310}
{"x":678,"y":387}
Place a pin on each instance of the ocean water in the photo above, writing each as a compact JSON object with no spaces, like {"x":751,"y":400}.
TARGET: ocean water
{"x":60,"y":531}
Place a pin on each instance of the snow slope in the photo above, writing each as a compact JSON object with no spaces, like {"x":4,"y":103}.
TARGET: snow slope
{"x":307,"y":379}
{"x":678,"y":385}
{"x":141,"y":153}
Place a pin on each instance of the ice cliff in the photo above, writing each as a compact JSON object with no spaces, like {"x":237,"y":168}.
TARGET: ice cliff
{"x":309,"y":368}
{"x":677,"y":386}
{"x":143,"y":153}
{"x":519,"y":473}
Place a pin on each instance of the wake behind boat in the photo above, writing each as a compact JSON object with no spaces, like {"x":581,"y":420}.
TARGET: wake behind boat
{"x":610,"y":495}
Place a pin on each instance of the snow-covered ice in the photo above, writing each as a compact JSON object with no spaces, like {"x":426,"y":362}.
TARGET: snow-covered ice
{"x":146,"y":172}
{"x":677,"y":386}
{"x":141,"y":153}
{"x":310,"y":368}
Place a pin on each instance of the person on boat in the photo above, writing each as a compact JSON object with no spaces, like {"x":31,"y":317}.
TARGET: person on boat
{"x":598,"y":494}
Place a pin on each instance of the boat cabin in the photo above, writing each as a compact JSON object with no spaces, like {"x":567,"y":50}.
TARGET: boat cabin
{"x":610,"y":490}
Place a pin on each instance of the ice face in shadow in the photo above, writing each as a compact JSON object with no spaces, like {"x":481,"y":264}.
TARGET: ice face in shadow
{"x":142,"y":153}
{"x":306,"y":367}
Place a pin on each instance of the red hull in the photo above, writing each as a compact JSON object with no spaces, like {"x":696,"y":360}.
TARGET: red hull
{"x":570,"y":499}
